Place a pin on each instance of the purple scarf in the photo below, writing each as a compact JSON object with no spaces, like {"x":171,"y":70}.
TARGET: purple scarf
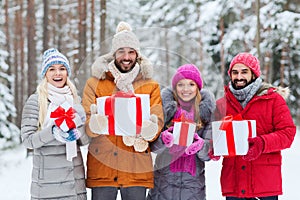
{"x":181,"y":162}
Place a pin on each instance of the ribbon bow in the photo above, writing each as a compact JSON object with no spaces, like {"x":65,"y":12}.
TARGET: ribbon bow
{"x":182,"y":118}
{"x":123,"y":94}
{"x":62,"y":115}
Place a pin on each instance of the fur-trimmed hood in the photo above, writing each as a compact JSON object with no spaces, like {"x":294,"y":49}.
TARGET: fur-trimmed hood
{"x":207,"y":105}
{"x":100,"y":66}
{"x":284,"y":92}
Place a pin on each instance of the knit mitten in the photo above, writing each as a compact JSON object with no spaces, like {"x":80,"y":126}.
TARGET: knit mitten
{"x":98,"y":123}
{"x":167,"y":138}
{"x":140,"y":145}
{"x":128,"y":140}
{"x":64,"y":137}
{"x":195,"y":146}
{"x":149,"y":128}
{"x":212,"y":156}
{"x":256,"y":147}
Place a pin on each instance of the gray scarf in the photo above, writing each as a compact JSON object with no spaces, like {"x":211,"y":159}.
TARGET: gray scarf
{"x":245,"y":95}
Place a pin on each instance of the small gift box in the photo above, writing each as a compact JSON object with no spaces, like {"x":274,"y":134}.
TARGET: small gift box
{"x":183,"y":132}
{"x":63,"y":116}
{"x":230,"y":136}
{"x":125,"y":112}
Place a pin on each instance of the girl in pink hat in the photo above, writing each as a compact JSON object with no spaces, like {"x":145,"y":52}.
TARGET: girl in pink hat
{"x":179,"y":170}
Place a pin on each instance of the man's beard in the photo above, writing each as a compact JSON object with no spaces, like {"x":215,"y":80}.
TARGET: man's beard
{"x":234,"y":83}
{"x":118,"y":65}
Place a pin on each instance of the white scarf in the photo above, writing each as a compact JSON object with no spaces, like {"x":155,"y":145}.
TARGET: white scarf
{"x":124,"y":80}
{"x":57,"y":96}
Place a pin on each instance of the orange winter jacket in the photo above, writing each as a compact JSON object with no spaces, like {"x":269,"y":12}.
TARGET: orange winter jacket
{"x":110,"y":162}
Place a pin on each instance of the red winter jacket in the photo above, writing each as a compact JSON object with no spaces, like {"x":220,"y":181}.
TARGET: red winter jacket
{"x":261,"y":177}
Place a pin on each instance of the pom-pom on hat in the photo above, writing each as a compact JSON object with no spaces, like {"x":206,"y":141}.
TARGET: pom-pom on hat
{"x":124,"y":37}
{"x":187,"y":71}
{"x":247,"y":59}
{"x":51,"y":57}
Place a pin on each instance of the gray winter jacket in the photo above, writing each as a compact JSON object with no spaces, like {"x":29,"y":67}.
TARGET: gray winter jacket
{"x":53,"y":176}
{"x":182,"y":185}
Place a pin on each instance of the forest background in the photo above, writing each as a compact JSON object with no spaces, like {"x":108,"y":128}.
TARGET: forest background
{"x":207,"y":33}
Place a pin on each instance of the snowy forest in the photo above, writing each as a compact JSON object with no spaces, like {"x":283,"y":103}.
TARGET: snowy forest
{"x":208,"y":33}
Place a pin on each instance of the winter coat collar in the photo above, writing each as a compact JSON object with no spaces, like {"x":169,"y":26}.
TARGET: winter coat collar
{"x":266,"y":88}
{"x":207,"y":104}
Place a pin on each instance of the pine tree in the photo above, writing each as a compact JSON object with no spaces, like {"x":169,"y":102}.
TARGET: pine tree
{"x":9,"y":132}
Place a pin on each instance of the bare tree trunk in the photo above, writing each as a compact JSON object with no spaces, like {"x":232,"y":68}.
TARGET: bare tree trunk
{"x":7,"y":35}
{"x":31,"y":55}
{"x":267,"y":66}
{"x":167,"y":57}
{"x":22,"y":61}
{"x":257,"y":12}
{"x":92,"y":25}
{"x":18,"y":48}
{"x":283,"y":62}
{"x":222,"y":60}
{"x":82,"y":32}
{"x":46,"y":34}
{"x":103,"y":26}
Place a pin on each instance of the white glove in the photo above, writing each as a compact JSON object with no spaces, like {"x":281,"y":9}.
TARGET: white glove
{"x":149,"y":128}
{"x":78,"y":120}
{"x":138,"y":143}
{"x":98,"y":123}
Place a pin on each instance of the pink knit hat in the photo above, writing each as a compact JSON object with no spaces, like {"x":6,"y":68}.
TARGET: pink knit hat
{"x":187,"y":71}
{"x":247,"y":59}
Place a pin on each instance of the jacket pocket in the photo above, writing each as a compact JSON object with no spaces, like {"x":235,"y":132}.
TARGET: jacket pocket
{"x":228,"y":175}
{"x":142,"y":166}
{"x":266,"y":176}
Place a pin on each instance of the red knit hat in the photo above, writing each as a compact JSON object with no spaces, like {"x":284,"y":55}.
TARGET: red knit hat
{"x":247,"y":59}
{"x":187,"y":71}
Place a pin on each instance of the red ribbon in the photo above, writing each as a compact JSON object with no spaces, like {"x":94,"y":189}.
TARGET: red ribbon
{"x":62,"y":115}
{"x":184,"y":129}
{"x":109,"y":110}
{"x":226,"y":125}
{"x":182,"y":118}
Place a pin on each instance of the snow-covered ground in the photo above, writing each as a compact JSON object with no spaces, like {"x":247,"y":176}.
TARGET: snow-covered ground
{"x":15,"y":174}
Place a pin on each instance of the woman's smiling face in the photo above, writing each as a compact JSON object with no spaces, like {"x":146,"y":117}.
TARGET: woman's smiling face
{"x":57,"y":75}
{"x":186,"y":89}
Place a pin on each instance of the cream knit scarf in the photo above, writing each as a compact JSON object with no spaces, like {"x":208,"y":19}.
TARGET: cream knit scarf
{"x":59,"y":95}
{"x":124,"y":80}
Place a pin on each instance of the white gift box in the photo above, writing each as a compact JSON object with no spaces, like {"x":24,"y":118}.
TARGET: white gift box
{"x":234,"y":140}
{"x":63,"y":116}
{"x":183,"y":133}
{"x":125,"y":113}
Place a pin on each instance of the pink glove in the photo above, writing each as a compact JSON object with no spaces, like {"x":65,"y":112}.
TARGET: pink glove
{"x":167,"y":138}
{"x":256,"y":147}
{"x":195,"y":146}
{"x":212,"y":156}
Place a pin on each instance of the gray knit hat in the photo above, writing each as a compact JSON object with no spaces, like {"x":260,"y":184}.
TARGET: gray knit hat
{"x":124,"y":37}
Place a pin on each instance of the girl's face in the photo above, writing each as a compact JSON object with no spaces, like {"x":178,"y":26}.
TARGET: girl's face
{"x":186,"y":89}
{"x":57,"y":75}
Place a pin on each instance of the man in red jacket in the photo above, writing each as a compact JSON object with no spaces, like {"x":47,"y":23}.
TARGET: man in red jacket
{"x":256,"y":175}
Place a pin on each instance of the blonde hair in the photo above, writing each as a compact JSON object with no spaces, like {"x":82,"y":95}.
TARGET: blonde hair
{"x":197,"y":101}
{"x":42,"y":91}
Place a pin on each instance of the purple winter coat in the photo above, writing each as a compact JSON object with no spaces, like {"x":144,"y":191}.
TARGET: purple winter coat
{"x":260,"y":177}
